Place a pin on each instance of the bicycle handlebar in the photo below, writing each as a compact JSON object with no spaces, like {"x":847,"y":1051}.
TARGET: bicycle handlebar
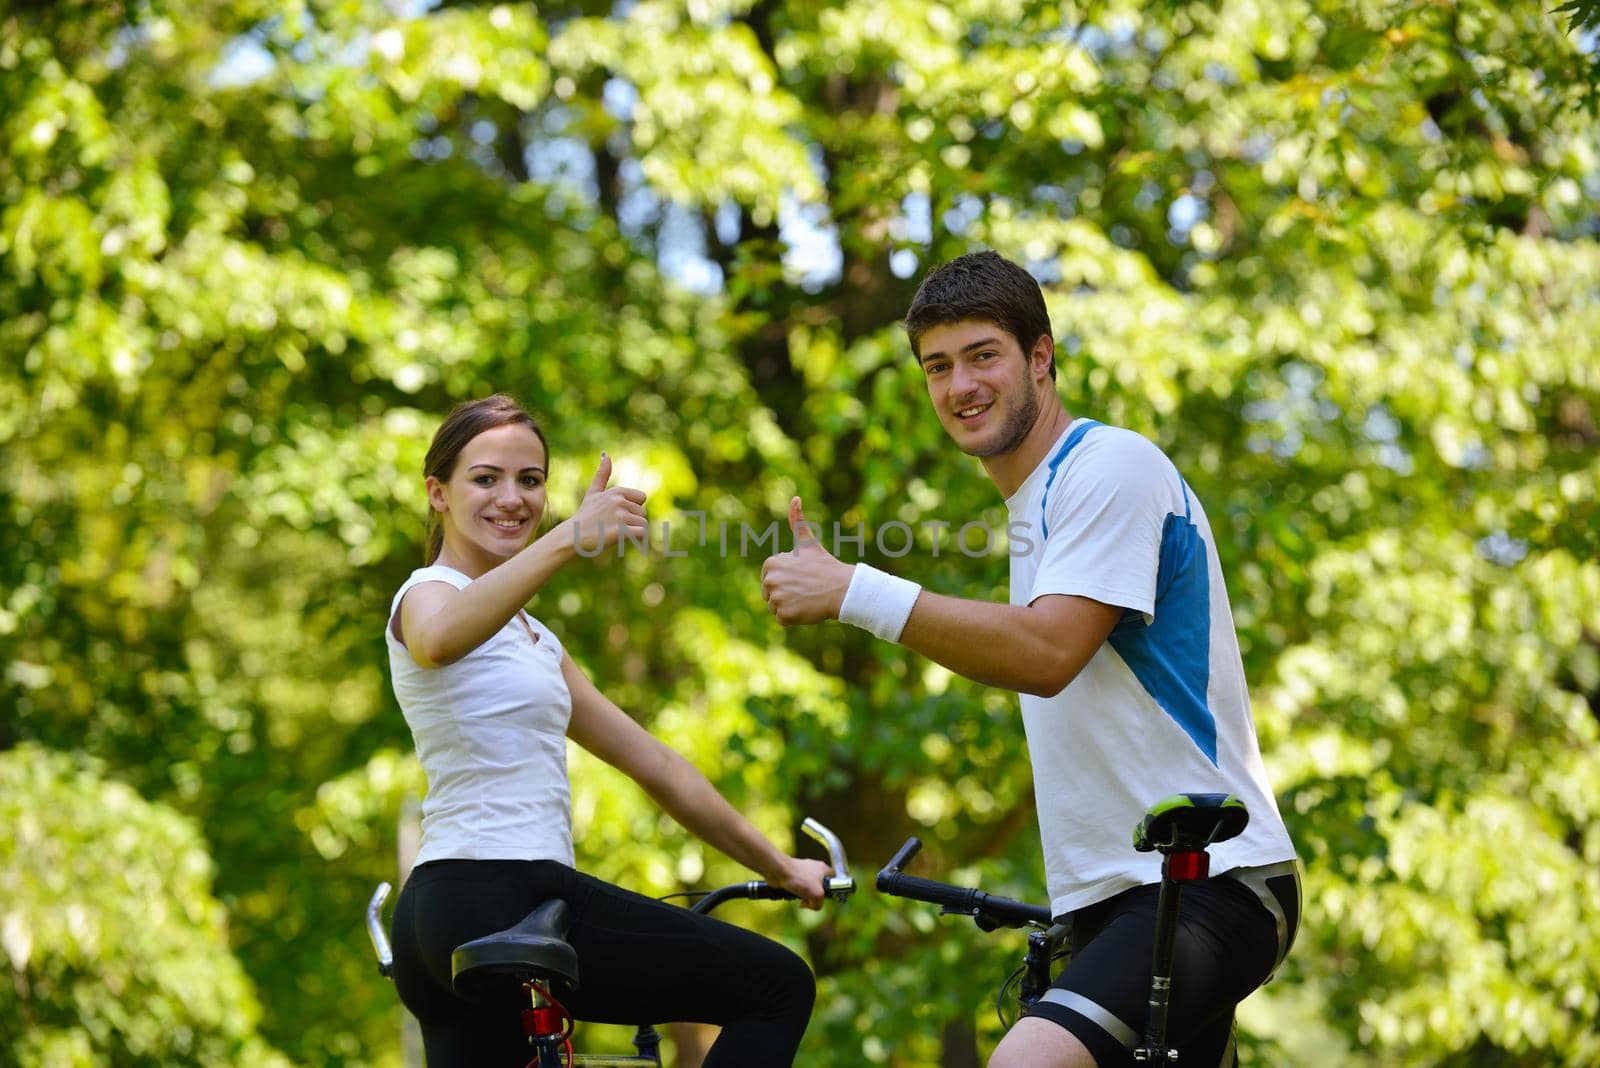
{"x":840,"y":885}
{"x":754,"y":890}
{"x":988,"y":911}
{"x":380,"y":940}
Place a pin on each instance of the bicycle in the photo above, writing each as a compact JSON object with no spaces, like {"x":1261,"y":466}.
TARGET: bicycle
{"x":533,"y":955}
{"x":1179,"y":827}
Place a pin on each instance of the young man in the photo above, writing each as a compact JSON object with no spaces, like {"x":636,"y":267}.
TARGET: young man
{"x":1120,"y":641}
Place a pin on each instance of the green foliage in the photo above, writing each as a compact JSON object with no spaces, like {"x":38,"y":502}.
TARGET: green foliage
{"x":118,"y":952}
{"x":1338,"y":259}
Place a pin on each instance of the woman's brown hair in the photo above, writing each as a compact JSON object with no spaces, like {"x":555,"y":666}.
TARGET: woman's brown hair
{"x":466,"y":421}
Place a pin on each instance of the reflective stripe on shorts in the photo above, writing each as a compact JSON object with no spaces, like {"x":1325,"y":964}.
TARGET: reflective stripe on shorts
{"x":1095,"y":1013}
{"x":1256,"y":880}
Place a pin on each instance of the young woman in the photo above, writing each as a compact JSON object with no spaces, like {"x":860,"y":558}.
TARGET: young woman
{"x":491,"y":698}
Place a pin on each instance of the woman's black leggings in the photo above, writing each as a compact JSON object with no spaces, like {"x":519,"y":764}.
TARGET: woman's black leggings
{"x":639,"y":961}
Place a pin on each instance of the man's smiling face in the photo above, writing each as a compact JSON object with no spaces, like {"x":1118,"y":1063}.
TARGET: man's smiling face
{"x":981,"y":386}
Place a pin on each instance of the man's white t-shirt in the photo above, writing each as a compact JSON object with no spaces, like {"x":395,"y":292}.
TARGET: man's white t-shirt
{"x":1161,"y":708}
{"x":491,"y":735}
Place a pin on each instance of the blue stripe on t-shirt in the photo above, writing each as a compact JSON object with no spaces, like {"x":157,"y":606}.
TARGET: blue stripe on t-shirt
{"x":1055,"y":463}
{"x":1170,"y":656}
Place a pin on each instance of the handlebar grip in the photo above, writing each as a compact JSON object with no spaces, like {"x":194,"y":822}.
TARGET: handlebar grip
{"x":899,"y":884}
{"x":912,"y":847}
{"x":893,"y":881}
{"x":1005,"y":912}
{"x":768,"y":892}
{"x":986,"y":909}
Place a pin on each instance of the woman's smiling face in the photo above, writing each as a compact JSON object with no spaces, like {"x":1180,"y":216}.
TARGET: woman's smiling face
{"x":491,"y":506}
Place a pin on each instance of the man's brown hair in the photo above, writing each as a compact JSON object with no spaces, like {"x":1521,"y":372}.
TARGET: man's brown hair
{"x":983,"y":287}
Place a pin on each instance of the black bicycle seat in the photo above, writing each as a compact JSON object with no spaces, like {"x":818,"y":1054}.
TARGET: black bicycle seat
{"x":1190,"y":822}
{"x":535,"y":948}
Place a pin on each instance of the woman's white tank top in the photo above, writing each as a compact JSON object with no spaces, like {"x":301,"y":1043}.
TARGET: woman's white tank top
{"x":491,"y":734}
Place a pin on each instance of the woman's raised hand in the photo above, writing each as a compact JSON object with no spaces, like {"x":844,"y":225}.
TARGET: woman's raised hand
{"x":607,"y":513}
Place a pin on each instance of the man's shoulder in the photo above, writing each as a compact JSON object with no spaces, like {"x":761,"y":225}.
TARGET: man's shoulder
{"x":1112,"y":452}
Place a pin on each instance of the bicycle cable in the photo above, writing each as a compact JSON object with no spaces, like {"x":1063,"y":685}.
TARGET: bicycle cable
{"x":1012,"y":980}
{"x":684,"y":893}
{"x":1000,"y":999}
{"x":558,"y":1015}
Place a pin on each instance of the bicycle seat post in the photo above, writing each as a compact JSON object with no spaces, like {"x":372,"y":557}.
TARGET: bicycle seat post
{"x":546,"y":1026}
{"x":1180,"y":827}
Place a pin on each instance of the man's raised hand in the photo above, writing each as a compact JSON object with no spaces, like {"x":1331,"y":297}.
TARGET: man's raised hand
{"x":805,"y":532}
{"x":806,"y":584}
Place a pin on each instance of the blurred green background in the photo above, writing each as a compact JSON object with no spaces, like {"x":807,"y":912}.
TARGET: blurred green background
{"x":1339,"y":259}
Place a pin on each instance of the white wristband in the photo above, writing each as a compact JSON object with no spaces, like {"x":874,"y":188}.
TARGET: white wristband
{"x":878,"y":602}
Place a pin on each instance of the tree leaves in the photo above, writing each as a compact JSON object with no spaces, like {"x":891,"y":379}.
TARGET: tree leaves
{"x":1337,"y":260}
{"x":110,"y":927}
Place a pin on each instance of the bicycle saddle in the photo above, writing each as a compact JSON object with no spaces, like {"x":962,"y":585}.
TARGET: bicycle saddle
{"x":535,"y":948}
{"x":1190,"y":822}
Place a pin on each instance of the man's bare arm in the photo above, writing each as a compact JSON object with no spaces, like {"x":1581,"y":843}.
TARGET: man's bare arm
{"x":1035,"y":649}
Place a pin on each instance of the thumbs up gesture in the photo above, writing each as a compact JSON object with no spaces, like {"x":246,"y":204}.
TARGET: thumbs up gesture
{"x":607,"y":512}
{"x":602,"y":475}
{"x":808,"y":583}
{"x":806,"y":533}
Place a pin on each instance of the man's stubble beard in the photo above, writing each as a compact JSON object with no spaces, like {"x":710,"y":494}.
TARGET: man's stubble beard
{"x":1016,"y":428}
